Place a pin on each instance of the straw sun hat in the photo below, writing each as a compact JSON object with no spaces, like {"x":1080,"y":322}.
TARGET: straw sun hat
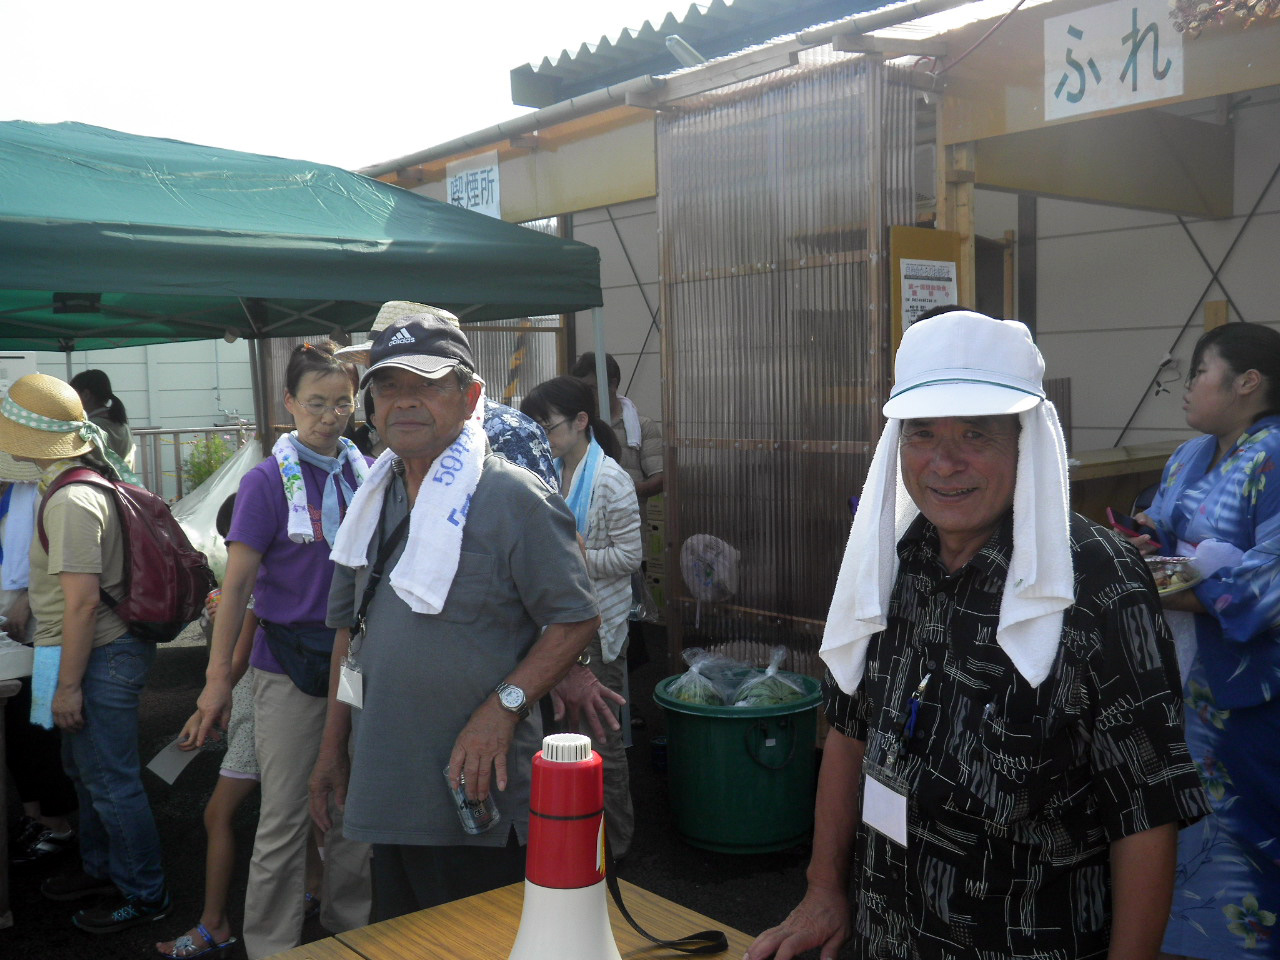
{"x":39,"y":395}
{"x":389,"y":313}
{"x":12,"y":471}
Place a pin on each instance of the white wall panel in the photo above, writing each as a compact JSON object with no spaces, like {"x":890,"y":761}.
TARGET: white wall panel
{"x":628,"y":246}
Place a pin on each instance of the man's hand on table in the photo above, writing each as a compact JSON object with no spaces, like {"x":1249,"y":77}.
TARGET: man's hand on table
{"x":820,"y":920}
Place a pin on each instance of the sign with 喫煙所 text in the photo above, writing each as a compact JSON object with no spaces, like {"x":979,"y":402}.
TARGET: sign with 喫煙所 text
{"x":1110,"y":56}
{"x":473,"y":183}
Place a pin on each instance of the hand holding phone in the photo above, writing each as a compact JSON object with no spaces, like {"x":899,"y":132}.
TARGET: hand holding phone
{"x":1130,"y":527}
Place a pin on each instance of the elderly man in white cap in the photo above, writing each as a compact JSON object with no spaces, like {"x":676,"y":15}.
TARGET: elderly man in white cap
{"x":1005,"y":773}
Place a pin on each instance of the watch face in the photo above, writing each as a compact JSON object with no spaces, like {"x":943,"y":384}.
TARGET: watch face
{"x":512,"y":697}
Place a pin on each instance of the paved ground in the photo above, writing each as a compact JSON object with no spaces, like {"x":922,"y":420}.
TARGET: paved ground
{"x":749,"y":892}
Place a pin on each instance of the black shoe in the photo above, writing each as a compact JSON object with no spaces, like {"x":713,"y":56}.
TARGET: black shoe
{"x":76,"y":885}
{"x":120,"y":913}
{"x":28,"y":829}
{"x":45,"y":845}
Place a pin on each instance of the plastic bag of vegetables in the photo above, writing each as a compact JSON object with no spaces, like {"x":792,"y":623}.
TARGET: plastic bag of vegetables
{"x":698,"y":683}
{"x":768,"y":688}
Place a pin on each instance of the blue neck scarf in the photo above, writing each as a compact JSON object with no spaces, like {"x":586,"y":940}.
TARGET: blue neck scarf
{"x":330,"y":509}
{"x":579,"y":496}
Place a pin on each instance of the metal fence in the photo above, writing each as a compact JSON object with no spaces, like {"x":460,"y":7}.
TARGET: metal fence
{"x":164,"y":461}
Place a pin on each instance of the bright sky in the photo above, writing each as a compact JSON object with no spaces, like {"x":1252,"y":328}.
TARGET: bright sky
{"x":349,"y":85}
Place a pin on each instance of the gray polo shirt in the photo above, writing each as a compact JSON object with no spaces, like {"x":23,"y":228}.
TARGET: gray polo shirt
{"x":520,"y":569}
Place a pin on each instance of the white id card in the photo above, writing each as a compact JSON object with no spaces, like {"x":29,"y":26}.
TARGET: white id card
{"x":885,"y":809}
{"x":351,"y":686}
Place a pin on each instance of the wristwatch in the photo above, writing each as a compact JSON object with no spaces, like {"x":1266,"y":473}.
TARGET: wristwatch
{"x":512,"y":699}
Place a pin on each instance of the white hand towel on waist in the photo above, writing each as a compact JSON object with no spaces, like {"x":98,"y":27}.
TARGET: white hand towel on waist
{"x":630,"y":422}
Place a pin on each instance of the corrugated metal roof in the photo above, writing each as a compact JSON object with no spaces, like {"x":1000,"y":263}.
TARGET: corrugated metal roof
{"x":714,"y":30}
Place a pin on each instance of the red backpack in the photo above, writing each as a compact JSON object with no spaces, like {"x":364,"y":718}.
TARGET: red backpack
{"x":166,"y":579}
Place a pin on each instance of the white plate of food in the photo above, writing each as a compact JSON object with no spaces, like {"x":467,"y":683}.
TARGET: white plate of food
{"x":1173,"y":574}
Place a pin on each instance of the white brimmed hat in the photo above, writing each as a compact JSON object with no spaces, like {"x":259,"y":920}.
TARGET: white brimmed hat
{"x":965,"y":364}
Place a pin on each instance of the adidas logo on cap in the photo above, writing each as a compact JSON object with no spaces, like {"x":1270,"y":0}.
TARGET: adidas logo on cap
{"x":404,"y":336}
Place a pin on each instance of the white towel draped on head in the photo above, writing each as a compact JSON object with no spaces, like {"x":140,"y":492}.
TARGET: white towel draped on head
{"x":425,"y":571}
{"x":1040,"y":583}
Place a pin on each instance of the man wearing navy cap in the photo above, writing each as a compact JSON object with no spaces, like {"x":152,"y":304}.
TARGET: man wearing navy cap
{"x":438,"y":663}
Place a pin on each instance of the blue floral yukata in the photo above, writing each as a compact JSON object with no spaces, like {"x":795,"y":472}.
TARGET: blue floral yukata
{"x":1228,"y":894}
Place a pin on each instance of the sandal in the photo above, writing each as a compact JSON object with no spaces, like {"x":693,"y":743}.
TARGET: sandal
{"x":185,"y":947}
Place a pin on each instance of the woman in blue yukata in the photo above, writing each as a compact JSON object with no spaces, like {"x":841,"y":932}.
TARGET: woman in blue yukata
{"x":1219,"y":502}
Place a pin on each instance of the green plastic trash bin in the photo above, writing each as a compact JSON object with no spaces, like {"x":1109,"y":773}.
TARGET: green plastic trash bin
{"x":742,"y":778}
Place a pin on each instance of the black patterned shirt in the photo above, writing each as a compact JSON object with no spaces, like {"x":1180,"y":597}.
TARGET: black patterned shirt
{"x":1014,"y":793}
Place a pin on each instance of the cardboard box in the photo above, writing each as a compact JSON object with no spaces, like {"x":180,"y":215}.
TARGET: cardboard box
{"x":656,"y":508}
{"x":655,"y":539}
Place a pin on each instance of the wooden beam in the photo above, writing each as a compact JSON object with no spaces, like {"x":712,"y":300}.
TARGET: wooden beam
{"x":956,"y":213}
{"x":1151,"y":160}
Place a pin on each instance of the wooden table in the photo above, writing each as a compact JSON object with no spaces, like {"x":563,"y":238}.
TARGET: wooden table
{"x":1113,"y":477}
{"x":484,"y":927}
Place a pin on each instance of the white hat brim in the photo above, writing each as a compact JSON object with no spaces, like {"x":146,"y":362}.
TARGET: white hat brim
{"x":955,"y":399}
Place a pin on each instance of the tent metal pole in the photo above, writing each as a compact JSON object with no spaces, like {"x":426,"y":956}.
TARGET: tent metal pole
{"x":602,"y":380}
{"x":261,"y":409}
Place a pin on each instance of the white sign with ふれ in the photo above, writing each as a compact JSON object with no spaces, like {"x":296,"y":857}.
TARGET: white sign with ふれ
{"x":1110,"y":56}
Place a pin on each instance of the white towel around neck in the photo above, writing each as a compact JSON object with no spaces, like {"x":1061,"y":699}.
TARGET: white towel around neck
{"x":425,"y":571}
{"x":1040,"y":583}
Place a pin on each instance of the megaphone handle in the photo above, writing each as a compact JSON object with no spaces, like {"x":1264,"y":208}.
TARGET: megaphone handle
{"x":705,"y":941}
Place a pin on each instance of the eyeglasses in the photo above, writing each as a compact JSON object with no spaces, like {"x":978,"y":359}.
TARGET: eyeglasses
{"x":318,"y":409}
{"x":548,"y":427}
{"x":421,"y":388}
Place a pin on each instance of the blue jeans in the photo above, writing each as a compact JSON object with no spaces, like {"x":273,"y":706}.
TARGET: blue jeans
{"x":118,"y":837}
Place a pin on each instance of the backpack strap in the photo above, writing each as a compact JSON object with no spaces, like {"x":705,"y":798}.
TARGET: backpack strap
{"x":74,"y":475}
{"x":67,"y":477}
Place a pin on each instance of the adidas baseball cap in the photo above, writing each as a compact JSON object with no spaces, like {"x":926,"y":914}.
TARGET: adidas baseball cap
{"x":965,"y":364}
{"x":425,"y":344}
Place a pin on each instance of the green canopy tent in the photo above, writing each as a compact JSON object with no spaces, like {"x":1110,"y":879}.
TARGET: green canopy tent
{"x":109,"y":239}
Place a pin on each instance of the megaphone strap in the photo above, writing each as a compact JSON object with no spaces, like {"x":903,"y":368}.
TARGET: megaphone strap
{"x":705,"y":941}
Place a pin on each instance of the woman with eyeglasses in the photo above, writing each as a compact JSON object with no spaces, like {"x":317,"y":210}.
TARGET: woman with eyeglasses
{"x":286,"y":516}
{"x":603,"y":499}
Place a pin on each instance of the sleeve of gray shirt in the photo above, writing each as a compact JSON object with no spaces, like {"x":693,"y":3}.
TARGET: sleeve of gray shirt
{"x":547,"y":565}
{"x":342,"y":597}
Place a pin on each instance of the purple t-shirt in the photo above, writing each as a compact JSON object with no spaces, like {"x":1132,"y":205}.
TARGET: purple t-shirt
{"x":293,"y":579}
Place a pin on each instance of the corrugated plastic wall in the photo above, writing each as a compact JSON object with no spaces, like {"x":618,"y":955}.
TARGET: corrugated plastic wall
{"x":774,"y":205}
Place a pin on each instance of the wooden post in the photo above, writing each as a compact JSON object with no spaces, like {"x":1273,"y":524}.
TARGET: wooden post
{"x":1216,"y":313}
{"x":956,"y":213}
